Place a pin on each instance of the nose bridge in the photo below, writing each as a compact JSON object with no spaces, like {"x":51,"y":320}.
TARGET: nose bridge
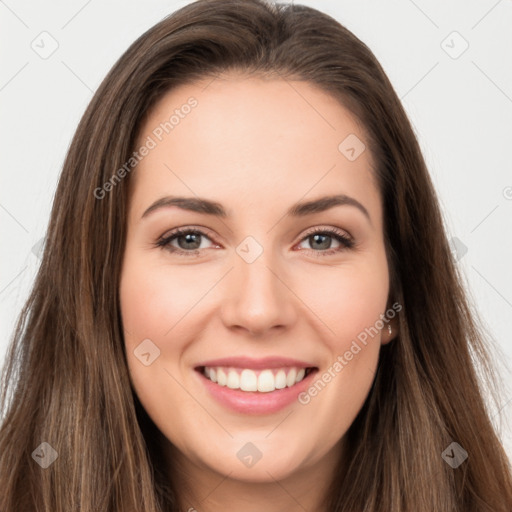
{"x":259,"y":298}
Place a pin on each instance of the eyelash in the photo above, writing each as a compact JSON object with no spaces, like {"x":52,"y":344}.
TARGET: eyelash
{"x":344,"y":240}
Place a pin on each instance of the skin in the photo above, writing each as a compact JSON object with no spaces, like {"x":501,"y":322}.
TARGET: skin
{"x":256,"y":146}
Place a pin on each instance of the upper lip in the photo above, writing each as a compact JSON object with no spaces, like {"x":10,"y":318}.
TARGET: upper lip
{"x":256,"y":364}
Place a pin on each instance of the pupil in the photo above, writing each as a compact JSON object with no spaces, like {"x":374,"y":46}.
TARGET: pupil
{"x":325,"y":244}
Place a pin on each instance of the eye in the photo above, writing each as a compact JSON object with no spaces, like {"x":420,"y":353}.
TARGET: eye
{"x":321,"y":238}
{"x":188,"y":241}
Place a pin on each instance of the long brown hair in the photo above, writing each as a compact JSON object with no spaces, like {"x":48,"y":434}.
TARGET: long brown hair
{"x":65,"y":380}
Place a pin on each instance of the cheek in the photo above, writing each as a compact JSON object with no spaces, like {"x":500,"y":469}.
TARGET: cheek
{"x":150,"y":307}
{"x":154,"y":298}
{"x":154,"y":302}
{"x":347,"y":300}
{"x":162,"y":304}
{"x":351,"y":303}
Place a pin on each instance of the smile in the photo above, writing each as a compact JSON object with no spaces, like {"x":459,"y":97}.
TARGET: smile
{"x":263,"y":381}
{"x":255,"y":391}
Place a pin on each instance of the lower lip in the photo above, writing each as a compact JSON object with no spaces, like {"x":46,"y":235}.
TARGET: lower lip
{"x":254,"y":402}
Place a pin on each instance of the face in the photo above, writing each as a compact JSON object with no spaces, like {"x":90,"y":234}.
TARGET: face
{"x":258,"y":292}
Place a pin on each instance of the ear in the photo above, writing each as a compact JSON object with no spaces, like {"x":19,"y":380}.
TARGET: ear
{"x":392,"y":324}
{"x":386,"y":336}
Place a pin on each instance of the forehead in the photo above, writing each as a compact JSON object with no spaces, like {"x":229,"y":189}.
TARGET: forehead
{"x":253,"y":141}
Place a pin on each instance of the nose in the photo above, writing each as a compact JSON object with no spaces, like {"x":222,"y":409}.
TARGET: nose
{"x":257,"y":297}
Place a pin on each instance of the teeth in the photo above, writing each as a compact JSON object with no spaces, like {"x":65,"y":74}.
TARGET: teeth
{"x":266,"y":381}
{"x":263,"y":381}
{"x":280,"y":379}
{"x":248,"y":381}
{"x":233,"y":380}
{"x":222,"y":378}
{"x":290,"y":378}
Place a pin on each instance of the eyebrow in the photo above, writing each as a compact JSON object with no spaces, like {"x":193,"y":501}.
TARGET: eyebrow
{"x":300,"y":209}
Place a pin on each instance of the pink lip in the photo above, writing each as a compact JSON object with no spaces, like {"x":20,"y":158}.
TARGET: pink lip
{"x":256,"y":364}
{"x":254,"y":402}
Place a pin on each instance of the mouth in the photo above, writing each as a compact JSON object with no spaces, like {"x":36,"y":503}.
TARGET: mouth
{"x":266,"y":380}
{"x":250,"y":391}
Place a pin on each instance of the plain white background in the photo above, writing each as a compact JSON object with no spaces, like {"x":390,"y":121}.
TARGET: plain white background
{"x":450,"y":63}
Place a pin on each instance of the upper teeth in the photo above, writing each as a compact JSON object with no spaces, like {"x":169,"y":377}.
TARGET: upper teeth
{"x":250,"y":380}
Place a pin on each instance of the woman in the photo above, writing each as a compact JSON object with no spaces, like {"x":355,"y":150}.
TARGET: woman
{"x":254,"y":368}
